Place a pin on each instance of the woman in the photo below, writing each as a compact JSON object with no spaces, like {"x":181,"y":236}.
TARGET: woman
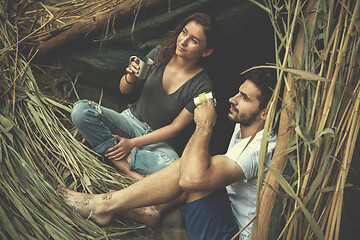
{"x":141,"y":139}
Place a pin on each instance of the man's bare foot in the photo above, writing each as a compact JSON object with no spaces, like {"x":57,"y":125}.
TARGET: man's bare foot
{"x":86,"y":204}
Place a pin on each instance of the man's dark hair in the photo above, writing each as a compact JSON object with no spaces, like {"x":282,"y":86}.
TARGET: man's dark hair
{"x":265,"y":80}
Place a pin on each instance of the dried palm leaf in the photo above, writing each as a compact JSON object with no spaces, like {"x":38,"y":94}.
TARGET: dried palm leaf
{"x":37,"y":151}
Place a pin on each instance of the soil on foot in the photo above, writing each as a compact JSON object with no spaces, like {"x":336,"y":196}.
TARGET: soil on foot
{"x":85,"y":204}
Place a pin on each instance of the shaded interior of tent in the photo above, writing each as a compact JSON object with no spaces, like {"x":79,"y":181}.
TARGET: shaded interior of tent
{"x":90,"y":66}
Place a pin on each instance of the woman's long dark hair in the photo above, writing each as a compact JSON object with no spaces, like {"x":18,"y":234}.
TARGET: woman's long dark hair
{"x":211,"y":29}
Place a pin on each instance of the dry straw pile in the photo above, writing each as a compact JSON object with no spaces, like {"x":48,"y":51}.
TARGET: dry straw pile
{"x":37,"y":151}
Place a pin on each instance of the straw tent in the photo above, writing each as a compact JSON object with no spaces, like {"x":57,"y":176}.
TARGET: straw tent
{"x":55,"y":52}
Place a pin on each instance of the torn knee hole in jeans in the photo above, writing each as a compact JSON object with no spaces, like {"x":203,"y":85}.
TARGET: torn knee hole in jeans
{"x":95,"y":105}
{"x":92,"y":103}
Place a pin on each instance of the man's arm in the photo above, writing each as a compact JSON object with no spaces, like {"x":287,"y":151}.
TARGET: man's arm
{"x":199,"y":171}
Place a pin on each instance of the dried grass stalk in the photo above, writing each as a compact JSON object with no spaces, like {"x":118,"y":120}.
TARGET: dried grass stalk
{"x":37,"y":150}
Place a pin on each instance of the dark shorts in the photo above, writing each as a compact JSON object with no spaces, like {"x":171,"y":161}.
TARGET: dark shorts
{"x":210,"y":217}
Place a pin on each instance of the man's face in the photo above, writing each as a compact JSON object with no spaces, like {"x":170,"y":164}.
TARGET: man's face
{"x":244,"y":106}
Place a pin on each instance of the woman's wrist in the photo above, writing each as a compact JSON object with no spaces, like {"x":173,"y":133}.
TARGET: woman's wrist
{"x":134,"y":142}
{"x":129,"y":82}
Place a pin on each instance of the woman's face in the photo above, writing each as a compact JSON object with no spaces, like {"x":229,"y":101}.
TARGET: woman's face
{"x":191,"y":42}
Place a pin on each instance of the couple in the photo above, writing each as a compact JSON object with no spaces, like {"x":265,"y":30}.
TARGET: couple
{"x":219,"y":191}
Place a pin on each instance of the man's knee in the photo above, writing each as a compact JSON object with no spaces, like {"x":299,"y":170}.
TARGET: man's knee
{"x":186,"y":182}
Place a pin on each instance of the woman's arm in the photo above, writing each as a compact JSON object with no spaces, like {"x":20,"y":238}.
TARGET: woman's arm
{"x":123,"y":148}
{"x":172,"y":130}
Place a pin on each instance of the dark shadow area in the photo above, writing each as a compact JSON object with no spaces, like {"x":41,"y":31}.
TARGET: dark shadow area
{"x":350,"y":219}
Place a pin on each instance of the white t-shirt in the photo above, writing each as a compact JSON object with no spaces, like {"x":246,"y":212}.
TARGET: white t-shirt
{"x":242,"y":193}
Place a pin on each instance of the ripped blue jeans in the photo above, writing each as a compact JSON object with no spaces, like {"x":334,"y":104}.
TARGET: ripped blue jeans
{"x":97,"y":124}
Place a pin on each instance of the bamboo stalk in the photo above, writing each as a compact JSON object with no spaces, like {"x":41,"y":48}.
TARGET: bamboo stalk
{"x":307,"y":162}
{"x":339,"y":191}
{"x":337,"y":69}
{"x":329,"y":97}
{"x":267,"y":197}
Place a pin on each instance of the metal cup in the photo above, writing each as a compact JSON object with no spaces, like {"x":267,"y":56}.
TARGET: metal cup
{"x":144,"y":66}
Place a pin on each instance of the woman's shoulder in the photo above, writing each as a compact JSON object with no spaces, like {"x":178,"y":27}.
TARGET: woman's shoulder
{"x":153,"y":53}
{"x":203,"y":76}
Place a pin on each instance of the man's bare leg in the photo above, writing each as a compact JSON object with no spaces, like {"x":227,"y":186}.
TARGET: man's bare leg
{"x":151,"y":215}
{"x":158,"y":188}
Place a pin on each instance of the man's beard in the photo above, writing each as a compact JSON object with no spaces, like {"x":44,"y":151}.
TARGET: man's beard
{"x":244,"y":119}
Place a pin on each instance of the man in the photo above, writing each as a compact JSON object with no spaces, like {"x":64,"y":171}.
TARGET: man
{"x":210,"y":212}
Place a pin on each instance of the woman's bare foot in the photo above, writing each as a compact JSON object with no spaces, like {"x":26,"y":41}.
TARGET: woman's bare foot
{"x":123,"y":166}
{"x":86,"y":204}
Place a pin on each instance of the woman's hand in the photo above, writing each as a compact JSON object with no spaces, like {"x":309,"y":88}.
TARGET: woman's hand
{"x":133,"y":67}
{"x":130,"y":81}
{"x":121,"y":149}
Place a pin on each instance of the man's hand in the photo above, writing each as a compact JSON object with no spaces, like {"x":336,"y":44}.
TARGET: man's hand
{"x":120,"y":150}
{"x":204,"y":114}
